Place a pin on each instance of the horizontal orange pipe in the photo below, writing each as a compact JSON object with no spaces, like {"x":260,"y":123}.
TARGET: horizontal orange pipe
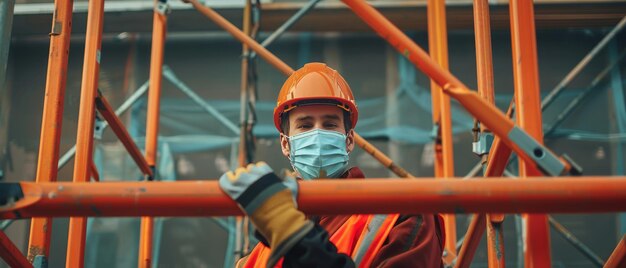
{"x":204,"y":198}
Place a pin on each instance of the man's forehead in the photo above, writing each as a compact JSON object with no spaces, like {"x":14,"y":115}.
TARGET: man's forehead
{"x":315,"y":111}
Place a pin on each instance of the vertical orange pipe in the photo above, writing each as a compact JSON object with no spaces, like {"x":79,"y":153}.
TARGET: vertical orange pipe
{"x":242,"y":222}
{"x":527,"y":102}
{"x":484,"y":62}
{"x":40,"y":228}
{"x":159,"y":28}
{"x":84,"y":135}
{"x":484,"y":67}
{"x":243,"y":150}
{"x":444,"y":158}
{"x":435,"y":89}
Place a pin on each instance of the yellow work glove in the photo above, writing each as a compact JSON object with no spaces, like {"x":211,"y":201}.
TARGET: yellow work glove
{"x":269,"y":203}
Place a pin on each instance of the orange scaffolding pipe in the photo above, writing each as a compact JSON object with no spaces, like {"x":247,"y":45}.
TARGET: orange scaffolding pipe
{"x":120,"y":131}
{"x":11,"y":254}
{"x":243,"y":148}
{"x":484,"y":68}
{"x":84,"y":135}
{"x":159,"y":30}
{"x":498,"y":157}
{"x":242,"y":223}
{"x":94,"y":172}
{"x":52,"y":119}
{"x":528,"y":105}
{"x":326,"y":197}
{"x":618,"y":257}
{"x":444,"y":145}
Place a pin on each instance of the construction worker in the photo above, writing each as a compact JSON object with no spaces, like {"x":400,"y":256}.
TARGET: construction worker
{"x":316,"y":114}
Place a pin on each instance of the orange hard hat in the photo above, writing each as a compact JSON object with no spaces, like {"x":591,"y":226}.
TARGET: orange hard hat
{"x":315,"y":83}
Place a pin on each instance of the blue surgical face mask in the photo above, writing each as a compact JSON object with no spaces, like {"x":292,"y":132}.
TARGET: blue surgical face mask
{"x":318,"y":153}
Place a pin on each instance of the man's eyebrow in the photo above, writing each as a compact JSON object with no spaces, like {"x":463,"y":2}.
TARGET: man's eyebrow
{"x":331,"y":116}
{"x":304,"y":118}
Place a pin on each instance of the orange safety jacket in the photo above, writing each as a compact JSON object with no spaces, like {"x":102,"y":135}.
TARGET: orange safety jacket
{"x":360,"y":237}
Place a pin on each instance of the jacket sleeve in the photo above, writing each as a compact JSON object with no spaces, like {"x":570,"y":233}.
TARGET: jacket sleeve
{"x":315,"y":250}
{"x":415,"y":241}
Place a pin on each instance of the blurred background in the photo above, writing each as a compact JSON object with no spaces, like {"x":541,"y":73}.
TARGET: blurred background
{"x":393,"y":98}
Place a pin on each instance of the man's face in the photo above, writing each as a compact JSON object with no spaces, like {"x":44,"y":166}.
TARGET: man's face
{"x":305,"y":118}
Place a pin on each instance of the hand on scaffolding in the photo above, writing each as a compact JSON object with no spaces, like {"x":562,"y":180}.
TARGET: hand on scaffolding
{"x":269,"y":202}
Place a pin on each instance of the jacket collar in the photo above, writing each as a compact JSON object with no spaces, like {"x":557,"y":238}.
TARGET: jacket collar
{"x":353,"y":173}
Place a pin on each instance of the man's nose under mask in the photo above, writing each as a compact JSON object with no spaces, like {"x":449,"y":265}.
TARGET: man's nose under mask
{"x":318,"y":153}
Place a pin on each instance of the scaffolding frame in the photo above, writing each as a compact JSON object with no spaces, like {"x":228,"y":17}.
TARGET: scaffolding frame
{"x":47,"y":198}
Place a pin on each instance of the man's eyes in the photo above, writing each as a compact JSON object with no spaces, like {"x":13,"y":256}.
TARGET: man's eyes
{"x":328,"y":125}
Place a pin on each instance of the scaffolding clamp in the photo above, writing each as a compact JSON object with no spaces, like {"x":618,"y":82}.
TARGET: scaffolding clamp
{"x":545,"y":160}
{"x":483,"y":145}
{"x":574,"y":168}
{"x":40,"y":261}
{"x":154,"y":174}
{"x":435,"y":134}
{"x":98,"y":128}
{"x":162,"y":8}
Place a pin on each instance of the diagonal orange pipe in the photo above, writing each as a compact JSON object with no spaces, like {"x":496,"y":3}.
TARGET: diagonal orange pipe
{"x":120,"y":131}
{"x":618,"y":257}
{"x":11,"y":254}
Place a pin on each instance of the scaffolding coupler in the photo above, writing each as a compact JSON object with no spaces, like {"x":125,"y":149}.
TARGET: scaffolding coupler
{"x":483,"y":144}
{"x":162,"y":8}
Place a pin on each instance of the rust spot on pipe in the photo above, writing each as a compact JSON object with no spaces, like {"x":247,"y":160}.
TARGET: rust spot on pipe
{"x":497,"y":228}
{"x":34,"y":251}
